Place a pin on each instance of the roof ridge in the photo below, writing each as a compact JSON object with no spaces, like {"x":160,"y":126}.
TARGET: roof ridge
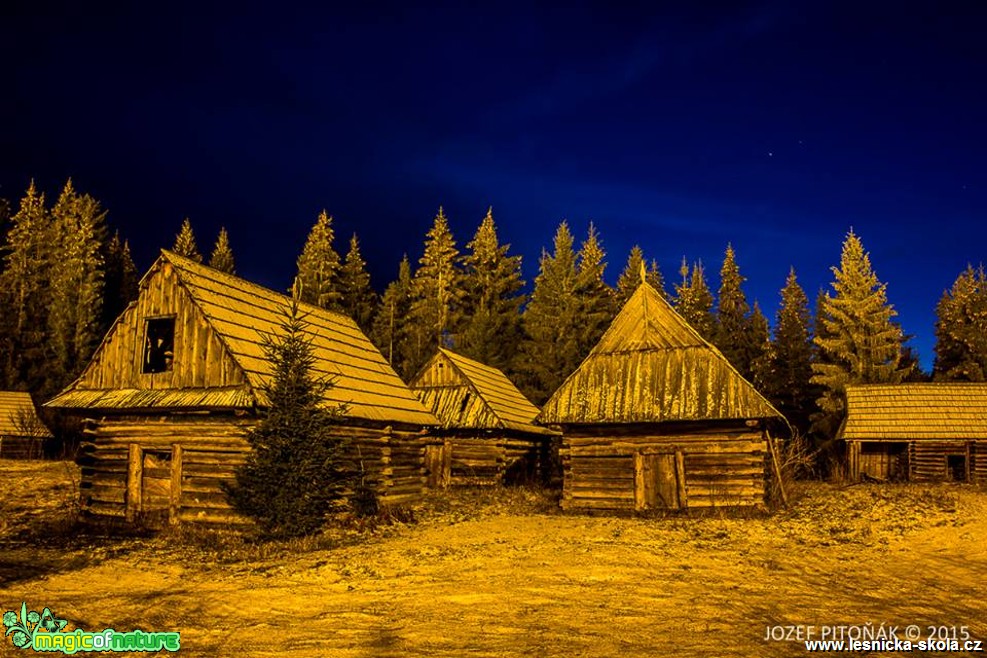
{"x":206,"y":270}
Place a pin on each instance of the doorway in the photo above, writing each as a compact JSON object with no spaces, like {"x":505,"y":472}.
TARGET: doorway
{"x":659,"y":481}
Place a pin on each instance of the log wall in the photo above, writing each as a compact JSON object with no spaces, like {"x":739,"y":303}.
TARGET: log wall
{"x":710,"y":468}
{"x":929,"y":460}
{"x":470,"y":461}
{"x":21,"y":447}
{"x":172,"y":468}
{"x":979,"y":467}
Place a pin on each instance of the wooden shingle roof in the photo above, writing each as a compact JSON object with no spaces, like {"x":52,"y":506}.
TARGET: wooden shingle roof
{"x":242,"y":313}
{"x":916,"y":411}
{"x":16,"y":410}
{"x":481,"y":397}
{"x":651,"y":366}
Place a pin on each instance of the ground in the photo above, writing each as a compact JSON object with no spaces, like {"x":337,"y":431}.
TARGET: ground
{"x":503,"y":573}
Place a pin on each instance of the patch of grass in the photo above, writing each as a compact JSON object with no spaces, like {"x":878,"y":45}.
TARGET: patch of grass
{"x":458,"y":504}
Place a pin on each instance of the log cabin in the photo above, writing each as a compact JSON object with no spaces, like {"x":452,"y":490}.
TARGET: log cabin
{"x":180,"y":378}
{"x":22,"y":432}
{"x":920,"y":432}
{"x":656,"y":418}
{"x":487,"y":433}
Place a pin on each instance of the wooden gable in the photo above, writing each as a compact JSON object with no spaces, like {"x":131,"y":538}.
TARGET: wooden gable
{"x":467,"y":394}
{"x":199,"y":358}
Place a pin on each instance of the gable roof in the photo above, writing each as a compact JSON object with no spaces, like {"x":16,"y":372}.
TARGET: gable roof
{"x":16,"y":408}
{"x":916,"y":411}
{"x":503,"y":405}
{"x":241,"y":313}
{"x":651,"y":366}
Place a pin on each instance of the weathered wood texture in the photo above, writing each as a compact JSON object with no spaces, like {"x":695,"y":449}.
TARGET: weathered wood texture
{"x":918,"y":460}
{"x":878,"y":460}
{"x":468,"y":461}
{"x":467,"y":394}
{"x":640,"y":472}
{"x":488,"y":425}
{"x":220,"y":322}
{"x":201,"y":360}
{"x":651,"y":366}
{"x":172,"y":468}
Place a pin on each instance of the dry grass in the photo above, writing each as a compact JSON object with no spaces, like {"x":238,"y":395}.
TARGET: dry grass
{"x":500,"y":572}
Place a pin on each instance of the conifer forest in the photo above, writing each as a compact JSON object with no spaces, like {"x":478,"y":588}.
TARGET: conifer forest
{"x":65,"y":276}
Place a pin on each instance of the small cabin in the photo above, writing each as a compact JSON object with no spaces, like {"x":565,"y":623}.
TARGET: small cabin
{"x":656,"y":418}
{"x":22,"y":432}
{"x":180,"y":378}
{"x":486,"y":433}
{"x":919,"y":432}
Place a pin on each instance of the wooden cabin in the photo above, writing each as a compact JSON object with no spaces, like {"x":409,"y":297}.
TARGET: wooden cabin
{"x":22,"y":432}
{"x":656,"y":418}
{"x":180,"y":377}
{"x":922,"y":432}
{"x":487,"y":433}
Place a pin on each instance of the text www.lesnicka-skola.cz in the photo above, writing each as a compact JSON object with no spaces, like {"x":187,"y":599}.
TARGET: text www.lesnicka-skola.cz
{"x":894,"y":645}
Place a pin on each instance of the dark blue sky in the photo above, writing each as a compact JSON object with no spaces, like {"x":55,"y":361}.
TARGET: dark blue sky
{"x":775,"y":127}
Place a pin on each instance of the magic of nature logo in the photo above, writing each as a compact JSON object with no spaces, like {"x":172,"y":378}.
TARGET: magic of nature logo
{"x":43,"y":631}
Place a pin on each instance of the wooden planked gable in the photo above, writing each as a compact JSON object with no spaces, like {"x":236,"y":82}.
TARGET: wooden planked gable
{"x":201,"y":360}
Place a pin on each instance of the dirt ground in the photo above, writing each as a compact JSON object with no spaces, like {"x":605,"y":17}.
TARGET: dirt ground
{"x":502,"y":573}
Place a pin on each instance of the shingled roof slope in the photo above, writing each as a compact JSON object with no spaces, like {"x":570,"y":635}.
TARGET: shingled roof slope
{"x":16,"y":406}
{"x":652,"y":366}
{"x":916,"y":411}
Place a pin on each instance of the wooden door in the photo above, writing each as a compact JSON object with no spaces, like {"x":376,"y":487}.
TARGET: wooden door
{"x":438,"y":464}
{"x":149,"y":479}
{"x":659,"y":481}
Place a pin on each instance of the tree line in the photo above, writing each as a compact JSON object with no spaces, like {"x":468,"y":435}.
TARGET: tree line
{"x":64,"y":279}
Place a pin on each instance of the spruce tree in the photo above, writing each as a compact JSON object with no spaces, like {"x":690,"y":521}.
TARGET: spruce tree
{"x":75,"y":320}
{"x":389,"y":332}
{"x":222,"y":254}
{"x":597,"y":301}
{"x":318,"y":267}
{"x":961,"y":329}
{"x":122,"y":279}
{"x":357,"y":297}
{"x":298,"y":470}
{"x":185,"y":244}
{"x":694,"y":301}
{"x":436,"y":295}
{"x":861,"y":343}
{"x":732,"y":332}
{"x":5,"y":213}
{"x":25,"y":293}
{"x":790,"y":364}
{"x":491,"y":304}
{"x":630,"y":278}
{"x":550,"y":348}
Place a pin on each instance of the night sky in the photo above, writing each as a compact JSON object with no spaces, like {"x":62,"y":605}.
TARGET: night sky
{"x":776,"y":127}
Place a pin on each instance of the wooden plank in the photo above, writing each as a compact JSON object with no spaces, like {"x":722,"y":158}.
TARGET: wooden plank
{"x":135,"y":462}
{"x":175,"y":502}
{"x":640,"y":484}
{"x":680,"y":479}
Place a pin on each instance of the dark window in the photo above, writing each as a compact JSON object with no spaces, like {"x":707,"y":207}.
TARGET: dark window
{"x":956,"y":467}
{"x":159,"y":345}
